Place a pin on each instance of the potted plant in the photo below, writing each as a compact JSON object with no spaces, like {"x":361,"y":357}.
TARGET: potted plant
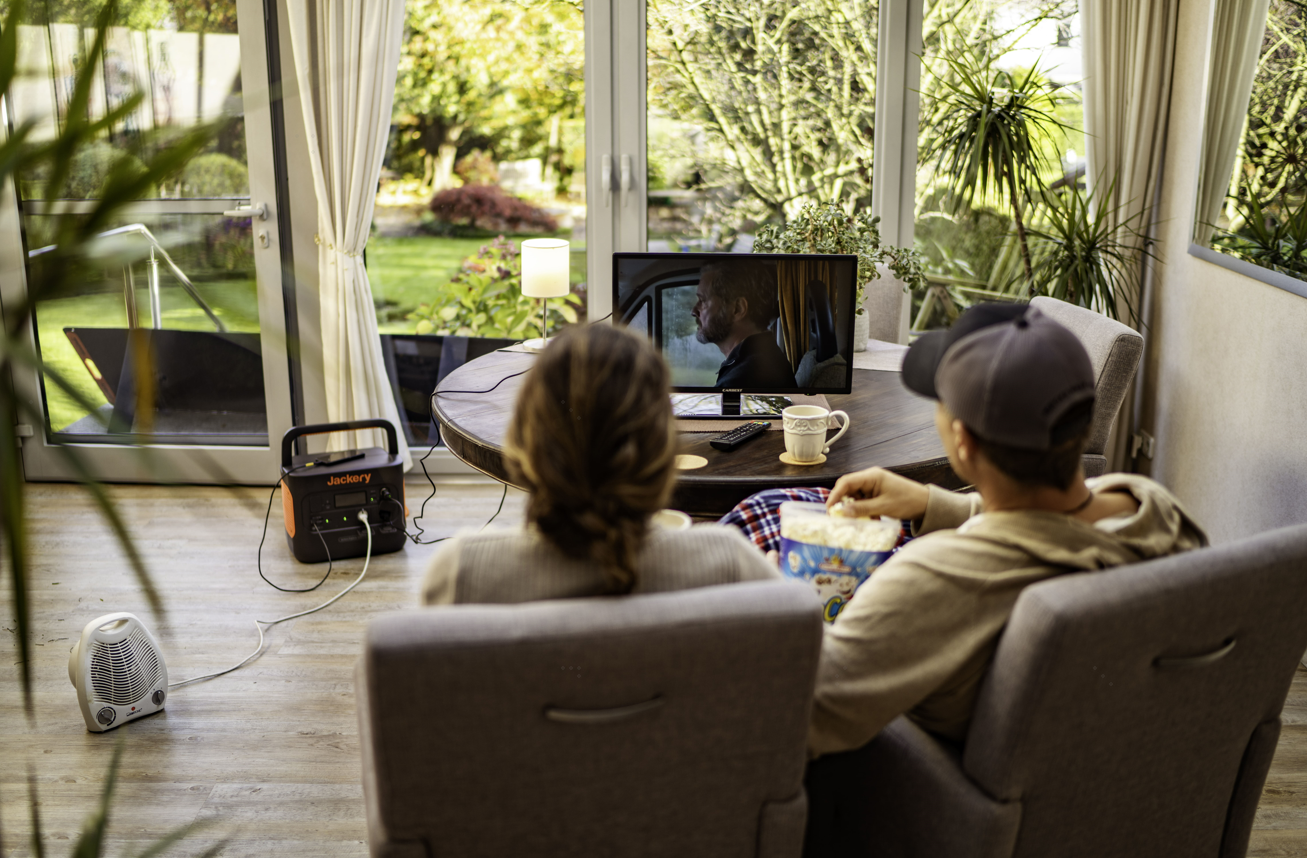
{"x":992,"y":130}
{"x":988,"y":136}
{"x":827,"y":228}
{"x":1080,"y":256}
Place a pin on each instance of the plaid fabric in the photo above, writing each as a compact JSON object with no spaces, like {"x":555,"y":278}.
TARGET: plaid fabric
{"x":759,"y":516}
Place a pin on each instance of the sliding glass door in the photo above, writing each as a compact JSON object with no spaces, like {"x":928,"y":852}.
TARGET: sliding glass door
{"x":177,"y":342}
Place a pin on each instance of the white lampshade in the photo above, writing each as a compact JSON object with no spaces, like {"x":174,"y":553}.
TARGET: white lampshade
{"x":545,"y":265}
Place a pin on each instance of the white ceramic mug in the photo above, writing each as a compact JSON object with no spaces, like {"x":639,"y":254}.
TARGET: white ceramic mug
{"x":805,"y":431}
{"x":671,"y":519}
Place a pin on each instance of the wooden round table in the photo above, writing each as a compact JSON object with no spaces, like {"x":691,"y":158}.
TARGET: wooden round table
{"x":891,"y":427}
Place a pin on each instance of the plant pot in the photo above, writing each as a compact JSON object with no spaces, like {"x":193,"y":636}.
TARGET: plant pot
{"x":861,"y":331}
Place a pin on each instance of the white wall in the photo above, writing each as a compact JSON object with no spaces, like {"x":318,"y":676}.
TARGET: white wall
{"x":1225,"y":370}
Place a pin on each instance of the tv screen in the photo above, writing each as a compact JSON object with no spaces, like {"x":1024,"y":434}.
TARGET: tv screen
{"x":743,"y":322}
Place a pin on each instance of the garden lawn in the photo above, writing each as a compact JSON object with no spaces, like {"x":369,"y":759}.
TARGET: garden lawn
{"x":411,"y":270}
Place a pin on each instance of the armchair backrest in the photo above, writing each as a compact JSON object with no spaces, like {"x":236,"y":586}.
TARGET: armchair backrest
{"x":1114,"y":350}
{"x":1139,"y":707}
{"x":661,"y":724}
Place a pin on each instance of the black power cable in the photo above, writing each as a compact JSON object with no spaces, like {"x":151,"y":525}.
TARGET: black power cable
{"x":259,"y":556}
{"x":488,"y":389}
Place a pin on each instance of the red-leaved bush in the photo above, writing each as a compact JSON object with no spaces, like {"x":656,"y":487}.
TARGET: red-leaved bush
{"x":487,"y":207}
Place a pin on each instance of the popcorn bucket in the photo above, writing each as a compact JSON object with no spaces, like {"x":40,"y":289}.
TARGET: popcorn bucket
{"x":833,"y":553}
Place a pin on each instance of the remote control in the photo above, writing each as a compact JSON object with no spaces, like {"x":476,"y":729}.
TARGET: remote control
{"x":739,"y":435}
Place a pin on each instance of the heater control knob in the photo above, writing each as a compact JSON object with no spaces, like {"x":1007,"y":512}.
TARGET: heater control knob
{"x":105,"y":716}
{"x":157,"y":697}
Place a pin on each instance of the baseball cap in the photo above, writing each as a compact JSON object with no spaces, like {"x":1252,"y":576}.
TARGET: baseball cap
{"x":1010,"y":373}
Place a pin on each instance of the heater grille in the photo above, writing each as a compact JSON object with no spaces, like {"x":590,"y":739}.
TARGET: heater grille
{"x":124,"y":672}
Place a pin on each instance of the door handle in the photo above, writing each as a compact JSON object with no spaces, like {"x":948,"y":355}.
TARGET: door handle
{"x":626,"y":177}
{"x":606,"y":179}
{"x":253,"y":210}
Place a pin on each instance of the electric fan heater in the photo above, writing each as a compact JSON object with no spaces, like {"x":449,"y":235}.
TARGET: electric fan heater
{"x":118,"y":671}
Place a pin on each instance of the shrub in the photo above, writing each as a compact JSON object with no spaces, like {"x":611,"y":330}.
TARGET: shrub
{"x":215,"y":175}
{"x":485,"y":300}
{"x":89,"y":170}
{"x":477,"y":168}
{"x":487,"y":208}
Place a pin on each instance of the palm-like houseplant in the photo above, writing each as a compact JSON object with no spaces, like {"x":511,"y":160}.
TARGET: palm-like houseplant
{"x":990,"y":129}
{"x":993,"y":128}
{"x":74,"y":253}
{"x":1086,"y":254}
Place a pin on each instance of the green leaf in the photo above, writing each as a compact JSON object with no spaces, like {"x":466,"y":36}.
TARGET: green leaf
{"x":90,"y":843}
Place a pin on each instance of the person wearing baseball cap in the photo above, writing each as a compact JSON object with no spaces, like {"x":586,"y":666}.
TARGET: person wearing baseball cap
{"x":1014,"y":395}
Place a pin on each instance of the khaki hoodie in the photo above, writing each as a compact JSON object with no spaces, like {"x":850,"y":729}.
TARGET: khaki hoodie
{"x":920,"y":633}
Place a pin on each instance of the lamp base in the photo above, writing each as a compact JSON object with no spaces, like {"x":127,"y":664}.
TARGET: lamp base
{"x":536,"y":344}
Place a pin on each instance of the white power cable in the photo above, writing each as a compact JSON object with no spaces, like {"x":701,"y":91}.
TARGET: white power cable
{"x":259,"y":624}
{"x":363,"y":517}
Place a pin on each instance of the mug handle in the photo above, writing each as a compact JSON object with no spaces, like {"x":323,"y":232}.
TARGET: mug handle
{"x":843,"y":428}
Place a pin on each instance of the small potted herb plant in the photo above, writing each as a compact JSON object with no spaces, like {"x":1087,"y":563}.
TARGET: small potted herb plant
{"x":827,"y":228}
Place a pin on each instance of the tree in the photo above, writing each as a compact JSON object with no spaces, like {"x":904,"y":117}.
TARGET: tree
{"x":497,"y":74}
{"x":785,"y":89}
{"x":188,"y":16}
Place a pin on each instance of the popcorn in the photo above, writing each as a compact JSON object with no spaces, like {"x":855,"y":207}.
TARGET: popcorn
{"x":835,"y":553}
{"x":858,"y":534}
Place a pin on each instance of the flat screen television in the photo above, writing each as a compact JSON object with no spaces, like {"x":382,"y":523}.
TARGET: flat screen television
{"x":740,"y":331}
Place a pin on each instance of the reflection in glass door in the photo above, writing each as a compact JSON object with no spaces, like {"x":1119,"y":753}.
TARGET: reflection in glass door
{"x":185,"y":263}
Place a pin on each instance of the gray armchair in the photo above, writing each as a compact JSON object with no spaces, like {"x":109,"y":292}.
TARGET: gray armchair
{"x":1131,"y":712}
{"x":662,"y":724}
{"x":1114,"y":349}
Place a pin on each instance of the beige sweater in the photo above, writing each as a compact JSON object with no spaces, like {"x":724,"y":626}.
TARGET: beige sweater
{"x":919,"y":634}
{"x":521,"y":566}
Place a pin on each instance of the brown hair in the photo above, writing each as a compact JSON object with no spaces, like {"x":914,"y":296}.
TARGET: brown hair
{"x":593,"y":441}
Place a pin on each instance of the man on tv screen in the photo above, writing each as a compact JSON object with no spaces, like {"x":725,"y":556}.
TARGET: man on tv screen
{"x":734,"y":314}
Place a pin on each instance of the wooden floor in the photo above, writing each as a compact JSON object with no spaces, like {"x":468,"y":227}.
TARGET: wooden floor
{"x":268,"y":755}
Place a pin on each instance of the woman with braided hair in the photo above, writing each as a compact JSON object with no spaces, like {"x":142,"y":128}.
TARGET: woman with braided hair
{"x":593,"y":442}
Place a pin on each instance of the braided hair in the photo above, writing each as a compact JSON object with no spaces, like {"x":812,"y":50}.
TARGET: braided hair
{"x":593,"y":441}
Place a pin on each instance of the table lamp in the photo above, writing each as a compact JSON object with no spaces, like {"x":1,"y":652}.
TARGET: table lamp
{"x":545,"y":265}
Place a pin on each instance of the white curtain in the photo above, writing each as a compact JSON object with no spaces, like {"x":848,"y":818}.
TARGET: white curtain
{"x":1129,"y":48}
{"x":346,"y":55}
{"x":1238,"y":27}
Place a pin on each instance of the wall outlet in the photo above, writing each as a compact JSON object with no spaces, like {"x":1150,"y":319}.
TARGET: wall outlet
{"x":1141,"y":444}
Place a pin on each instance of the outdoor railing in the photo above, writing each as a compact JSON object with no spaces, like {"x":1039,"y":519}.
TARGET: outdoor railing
{"x":129,"y":281}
